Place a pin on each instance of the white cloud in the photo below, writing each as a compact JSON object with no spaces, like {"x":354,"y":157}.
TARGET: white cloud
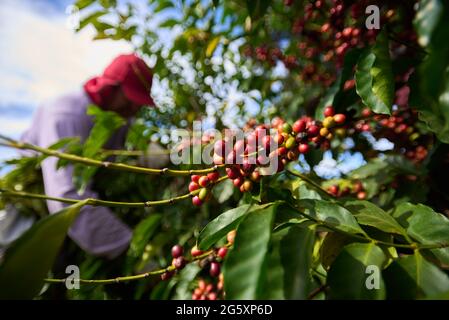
{"x":40,"y":57}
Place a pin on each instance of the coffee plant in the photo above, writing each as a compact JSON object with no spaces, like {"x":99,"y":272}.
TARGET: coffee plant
{"x":304,"y":83}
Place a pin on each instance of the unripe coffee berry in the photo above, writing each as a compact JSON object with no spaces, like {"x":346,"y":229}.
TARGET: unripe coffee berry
{"x":329,"y":122}
{"x":204,"y":194}
{"x":247,"y":185}
{"x":231,"y":236}
{"x":324,"y":132}
{"x":287,"y":128}
{"x":290,"y":143}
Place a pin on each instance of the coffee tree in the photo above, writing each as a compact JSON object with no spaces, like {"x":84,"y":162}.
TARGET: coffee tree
{"x":257,"y":219}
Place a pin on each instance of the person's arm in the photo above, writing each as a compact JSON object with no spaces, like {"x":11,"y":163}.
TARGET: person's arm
{"x":96,"y":229}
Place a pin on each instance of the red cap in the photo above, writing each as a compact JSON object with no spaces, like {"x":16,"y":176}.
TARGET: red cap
{"x":131,"y":73}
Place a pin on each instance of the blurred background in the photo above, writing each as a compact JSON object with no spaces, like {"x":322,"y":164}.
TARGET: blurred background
{"x":41,"y":56}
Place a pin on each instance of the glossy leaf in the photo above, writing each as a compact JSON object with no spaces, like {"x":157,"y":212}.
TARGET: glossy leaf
{"x":245,"y":266}
{"x":426,"y":226}
{"x":374,"y":77}
{"x":221,"y":225}
{"x":29,"y":258}
{"x":369,"y":214}
{"x":353,"y":273}
{"x":413,"y":277}
{"x":430,"y":84}
{"x":331,"y":214}
{"x":289,"y":263}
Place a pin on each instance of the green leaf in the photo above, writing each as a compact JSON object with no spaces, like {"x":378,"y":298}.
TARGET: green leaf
{"x":223,"y":191}
{"x":220,"y":226}
{"x":29,"y":258}
{"x":374,"y":77}
{"x":106,"y":122}
{"x":92,"y":18}
{"x":141,"y":235}
{"x":331,"y":214}
{"x":331,"y":247}
{"x":183,"y":289}
{"x":289,"y":263}
{"x":257,"y":8}
{"x":430,"y":83}
{"x":169,"y":23}
{"x":334,"y":95}
{"x":349,"y":276}
{"x":369,"y":214}
{"x":426,"y":226}
{"x":245,"y":266}
{"x":413,"y":277}
{"x":81,"y":4}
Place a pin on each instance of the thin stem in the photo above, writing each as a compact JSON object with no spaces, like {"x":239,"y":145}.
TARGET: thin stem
{"x":134,"y":277}
{"x":131,"y":153}
{"x":105,"y":164}
{"x":104,"y":203}
{"x":309,"y":181}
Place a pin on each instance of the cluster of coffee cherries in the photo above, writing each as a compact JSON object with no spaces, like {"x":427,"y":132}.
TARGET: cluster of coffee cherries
{"x":266,"y":150}
{"x":271,"y":55}
{"x":355,"y":189}
{"x":204,"y":184}
{"x":399,"y":128}
{"x":208,"y":291}
{"x":213,"y":288}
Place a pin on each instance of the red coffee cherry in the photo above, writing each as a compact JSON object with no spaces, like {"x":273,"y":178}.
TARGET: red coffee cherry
{"x":233,"y":173}
{"x":195,"y":178}
{"x":222,"y":252}
{"x":179,"y":262}
{"x":203,"y":181}
{"x":167,"y":275}
{"x":313,"y":130}
{"x":339,"y":118}
{"x":196,"y":201}
{"x":329,"y":111}
{"x":303,"y":148}
{"x":214,"y":270}
{"x":333,"y":190}
{"x":176,"y":251}
{"x":299,"y":126}
{"x":195,"y":252}
{"x":193,"y":186}
{"x":213,"y":176}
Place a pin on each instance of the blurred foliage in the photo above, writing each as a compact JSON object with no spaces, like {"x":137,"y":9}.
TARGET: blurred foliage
{"x":206,"y":58}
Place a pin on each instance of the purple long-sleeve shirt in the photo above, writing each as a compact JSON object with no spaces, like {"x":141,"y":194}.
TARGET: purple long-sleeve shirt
{"x":96,"y":230}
